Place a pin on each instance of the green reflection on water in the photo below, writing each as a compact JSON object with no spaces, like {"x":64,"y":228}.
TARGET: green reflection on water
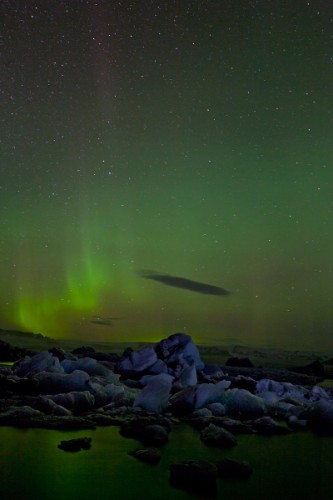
{"x":288,"y":467}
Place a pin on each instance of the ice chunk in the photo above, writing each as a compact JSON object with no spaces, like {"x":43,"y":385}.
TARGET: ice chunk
{"x":242,"y":403}
{"x":210,"y":393}
{"x":53,"y":383}
{"x":42,"y":362}
{"x":154,"y":396}
{"x":138,"y":361}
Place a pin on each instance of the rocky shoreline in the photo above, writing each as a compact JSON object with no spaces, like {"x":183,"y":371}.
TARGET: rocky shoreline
{"x":147,"y":392}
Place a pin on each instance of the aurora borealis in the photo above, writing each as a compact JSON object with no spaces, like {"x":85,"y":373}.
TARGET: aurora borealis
{"x":190,"y":138}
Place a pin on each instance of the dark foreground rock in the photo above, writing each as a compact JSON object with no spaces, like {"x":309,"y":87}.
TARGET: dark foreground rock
{"x":150,"y":431}
{"x":227,"y":467}
{"x":267,"y":426}
{"x":217,"y":436}
{"x":320,"y":417}
{"x":150,"y":456}
{"x":75,"y":444}
{"x":26,"y":417}
{"x":196,"y":476}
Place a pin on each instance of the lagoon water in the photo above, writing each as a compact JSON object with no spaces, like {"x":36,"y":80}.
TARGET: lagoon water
{"x":285,"y":467}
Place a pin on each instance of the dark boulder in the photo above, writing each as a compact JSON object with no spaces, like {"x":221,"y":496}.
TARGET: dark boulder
{"x":27,"y":417}
{"x":227,"y":467}
{"x":83,"y":351}
{"x":320,"y":417}
{"x":58,"y":352}
{"x":241,"y":382}
{"x":239,"y":362}
{"x":149,"y":430}
{"x":183,"y":402}
{"x":212,"y":435}
{"x":108,"y":357}
{"x":148,"y":455}
{"x":234,"y":426}
{"x":267,"y":426}
{"x":314,"y":369}
{"x":154,"y":435}
{"x":196,"y":476}
{"x":75,"y":444}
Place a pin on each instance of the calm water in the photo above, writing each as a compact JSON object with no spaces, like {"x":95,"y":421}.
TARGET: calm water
{"x":286,"y":467}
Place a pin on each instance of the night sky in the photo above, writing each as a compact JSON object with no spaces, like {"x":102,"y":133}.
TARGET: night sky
{"x":166,"y":166}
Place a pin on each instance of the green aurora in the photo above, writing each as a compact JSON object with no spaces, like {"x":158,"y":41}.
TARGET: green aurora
{"x":193,"y":140}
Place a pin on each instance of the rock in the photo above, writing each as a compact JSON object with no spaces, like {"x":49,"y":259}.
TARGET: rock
{"x":78,"y":402}
{"x":297,"y":423}
{"x":234,"y":426}
{"x":317,"y":393}
{"x":59,"y":353}
{"x":196,"y":476}
{"x":227,"y":467}
{"x":54,"y":383}
{"x":212,"y":372}
{"x":183,"y":402}
{"x":242,"y":382}
{"x":239,"y":362}
{"x":210,"y":393}
{"x":42,"y":362}
{"x":188,"y":376}
{"x":49,"y":407}
{"x":154,"y":396}
{"x":75,"y":444}
{"x":269,"y":427}
{"x":243,"y":404}
{"x":154,"y":435}
{"x":158,"y":367}
{"x":83,"y":351}
{"x":213,"y":435}
{"x":273,"y":374}
{"x":137,"y":362}
{"x":148,"y":455}
{"x":178,"y":347}
{"x":26,"y":417}
{"x":22,"y":385}
{"x":136,"y":427}
{"x":203,"y":412}
{"x":108,"y":357}
{"x":88,"y":365}
{"x":199,"y":422}
{"x":217,"y":409}
{"x":320,"y":416}
{"x":316,"y":369}
{"x":110,"y":393}
{"x":104,"y":419}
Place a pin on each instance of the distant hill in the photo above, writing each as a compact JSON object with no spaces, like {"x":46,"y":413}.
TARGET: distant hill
{"x":27,"y":340}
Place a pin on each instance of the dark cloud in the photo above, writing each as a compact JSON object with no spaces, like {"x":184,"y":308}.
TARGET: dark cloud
{"x":98,"y":320}
{"x":178,"y":282}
